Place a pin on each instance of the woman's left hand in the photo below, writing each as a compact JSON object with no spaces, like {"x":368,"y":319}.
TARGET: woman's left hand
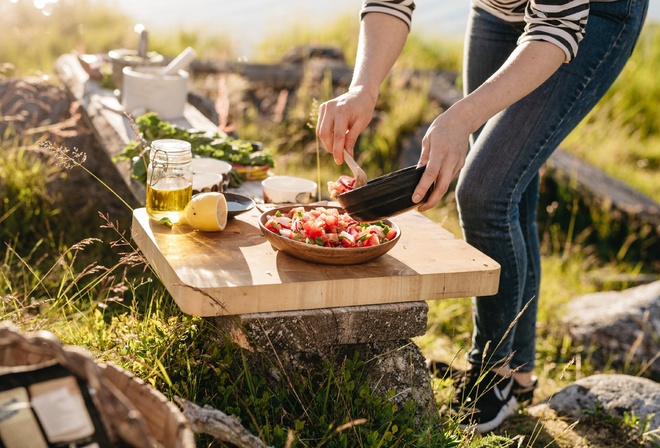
{"x":444,"y":149}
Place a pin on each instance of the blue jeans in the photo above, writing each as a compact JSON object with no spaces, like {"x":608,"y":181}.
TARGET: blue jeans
{"x":498,"y":188}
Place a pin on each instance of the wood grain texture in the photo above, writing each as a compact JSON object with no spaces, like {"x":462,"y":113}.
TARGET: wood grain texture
{"x":237,"y":271}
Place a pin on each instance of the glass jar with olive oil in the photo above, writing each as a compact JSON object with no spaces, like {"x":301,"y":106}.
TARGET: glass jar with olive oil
{"x":169,"y":179}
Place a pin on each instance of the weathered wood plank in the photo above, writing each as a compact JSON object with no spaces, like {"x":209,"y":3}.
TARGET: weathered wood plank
{"x":285,"y":75}
{"x":289,"y":75}
{"x":598,"y":187}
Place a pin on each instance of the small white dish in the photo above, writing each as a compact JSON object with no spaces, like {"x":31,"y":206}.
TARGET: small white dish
{"x":204,"y":182}
{"x":209,"y":165}
{"x":288,"y":189}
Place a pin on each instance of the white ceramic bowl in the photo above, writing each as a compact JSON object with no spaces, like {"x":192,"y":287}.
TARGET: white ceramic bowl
{"x":201,"y":165}
{"x":288,"y":189}
{"x":203,"y":182}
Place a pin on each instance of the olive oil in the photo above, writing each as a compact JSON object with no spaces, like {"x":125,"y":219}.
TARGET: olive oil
{"x":169,"y":179}
{"x":168,"y":203}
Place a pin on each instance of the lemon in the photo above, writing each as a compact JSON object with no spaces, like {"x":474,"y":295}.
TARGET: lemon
{"x":206,"y":212}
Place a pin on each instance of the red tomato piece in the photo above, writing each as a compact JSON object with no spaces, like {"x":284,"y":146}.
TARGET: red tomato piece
{"x":312,"y":230}
{"x":273,"y":226}
{"x":347,"y":243}
{"x":371,"y":241}
{"x":331,"y":221}
{"x":391,"y":234}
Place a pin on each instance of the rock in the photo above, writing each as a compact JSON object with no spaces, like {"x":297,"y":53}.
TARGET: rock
{"x":620,"y":327}
{"x":394,"y":367}
{"x":619,"y":395}
{"x":378,"y":335}
{"x":315,"y":331}
{"x":31,"y":102}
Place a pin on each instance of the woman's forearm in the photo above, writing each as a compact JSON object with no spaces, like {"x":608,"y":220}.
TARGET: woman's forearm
{"x":341,"y":120}
{"x":531,"y":64}
{"x":381,"y":40}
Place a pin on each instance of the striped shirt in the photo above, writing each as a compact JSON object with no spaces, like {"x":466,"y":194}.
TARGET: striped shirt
{"x":561,"y":22}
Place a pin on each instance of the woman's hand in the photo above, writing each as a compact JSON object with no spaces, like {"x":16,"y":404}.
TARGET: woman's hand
{"x":342,"y":119}
{"x":444,"y":149}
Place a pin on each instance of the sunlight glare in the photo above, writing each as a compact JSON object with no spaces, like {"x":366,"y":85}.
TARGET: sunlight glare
{"x":46,"y":6}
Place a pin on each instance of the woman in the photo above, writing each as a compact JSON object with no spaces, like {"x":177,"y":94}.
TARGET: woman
{"x":532,"y":70}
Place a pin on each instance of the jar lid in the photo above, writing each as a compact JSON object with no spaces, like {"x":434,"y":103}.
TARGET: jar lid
{"x":171,"y":145}
{"x":170,"y":151}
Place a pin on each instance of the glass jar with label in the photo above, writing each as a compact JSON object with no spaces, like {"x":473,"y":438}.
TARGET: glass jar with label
{"x":169,"y":179}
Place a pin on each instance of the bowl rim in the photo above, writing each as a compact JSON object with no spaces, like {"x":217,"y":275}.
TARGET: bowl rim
{"x":247,"y":201}
{"x":222,"y":167}
{"x":153,"y":72}
{"x":377,"y":200}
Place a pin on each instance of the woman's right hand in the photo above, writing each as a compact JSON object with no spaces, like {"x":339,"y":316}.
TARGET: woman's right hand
{"x":341,"y":120}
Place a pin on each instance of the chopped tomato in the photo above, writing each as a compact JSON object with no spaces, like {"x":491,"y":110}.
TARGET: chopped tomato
{"x":312,"y":230}
{"x":342,"y":185}
{"x":347,"y":243}
{"x":328,"y":227}
{"x":331,"y":221}
{"x":273,"y":226}
{"x":371,"y":241}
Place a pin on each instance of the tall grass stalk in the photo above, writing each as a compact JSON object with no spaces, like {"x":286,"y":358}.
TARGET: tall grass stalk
{"x":73,"y":158}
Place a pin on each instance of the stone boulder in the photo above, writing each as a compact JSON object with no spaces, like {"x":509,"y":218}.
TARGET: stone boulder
{"x":618,"y":395}
{"x":619,"y":327}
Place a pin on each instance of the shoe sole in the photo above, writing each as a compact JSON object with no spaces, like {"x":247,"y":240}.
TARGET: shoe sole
{"x":507,"y":410}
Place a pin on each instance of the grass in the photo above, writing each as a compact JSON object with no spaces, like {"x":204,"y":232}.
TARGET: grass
{"x":90,"y":286}
{"x":630,"y":149}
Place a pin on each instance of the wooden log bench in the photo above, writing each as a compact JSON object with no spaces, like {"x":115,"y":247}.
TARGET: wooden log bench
{"x":265,"y":300}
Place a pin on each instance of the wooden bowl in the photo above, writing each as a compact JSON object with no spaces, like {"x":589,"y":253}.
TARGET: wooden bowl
{"x":325,"y":255}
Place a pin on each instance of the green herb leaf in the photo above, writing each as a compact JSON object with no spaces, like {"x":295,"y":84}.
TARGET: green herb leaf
{"x":166,"y":221}
{"x":217,"y":146}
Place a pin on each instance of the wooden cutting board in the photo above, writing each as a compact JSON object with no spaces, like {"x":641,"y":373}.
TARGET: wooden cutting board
{"x":237,"y":271}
